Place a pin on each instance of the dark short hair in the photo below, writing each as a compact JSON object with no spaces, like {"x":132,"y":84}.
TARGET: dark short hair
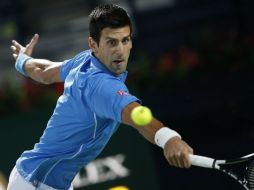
{"x":107,"y":15}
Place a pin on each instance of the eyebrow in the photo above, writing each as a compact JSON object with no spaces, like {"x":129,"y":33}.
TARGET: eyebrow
{"x":111,"y":38}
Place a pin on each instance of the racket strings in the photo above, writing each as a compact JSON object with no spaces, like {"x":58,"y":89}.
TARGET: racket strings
{"x":250,"y":176}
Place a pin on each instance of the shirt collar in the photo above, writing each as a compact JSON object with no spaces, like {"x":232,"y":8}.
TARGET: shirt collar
{"x":96,"y":62}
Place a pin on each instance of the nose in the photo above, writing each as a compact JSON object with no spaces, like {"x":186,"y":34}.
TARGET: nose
{"x":120,"y":49}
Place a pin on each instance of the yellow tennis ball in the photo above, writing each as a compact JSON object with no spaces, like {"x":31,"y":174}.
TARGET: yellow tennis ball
{"x":119,"y":188}
{"x":141,"y":115}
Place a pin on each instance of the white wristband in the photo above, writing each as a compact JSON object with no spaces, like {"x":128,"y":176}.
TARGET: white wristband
{"x":163,"y":135}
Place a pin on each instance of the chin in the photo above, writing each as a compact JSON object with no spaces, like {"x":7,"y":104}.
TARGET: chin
{"x":119,"y":72}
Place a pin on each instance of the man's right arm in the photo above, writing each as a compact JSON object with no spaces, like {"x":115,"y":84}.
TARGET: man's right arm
{"x":43,"y":71}
{"x":40,"y":70}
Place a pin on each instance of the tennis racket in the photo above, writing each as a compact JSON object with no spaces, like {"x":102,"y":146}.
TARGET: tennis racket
{"x":241,"y":169}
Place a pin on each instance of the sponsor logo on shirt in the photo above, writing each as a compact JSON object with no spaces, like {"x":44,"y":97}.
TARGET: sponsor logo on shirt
{"x":121,"y":93}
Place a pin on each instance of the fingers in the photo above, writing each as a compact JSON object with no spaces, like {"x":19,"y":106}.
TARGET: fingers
{"x":177,"y":153}
{"x":30,"y":46}
{"x":186,"y":160}
{"x":33,"y":41}
{"x":15,"y":43}
{"x":15,"y":56}
{"x":183,"y":158}
{"x":180,"y":160}
{"x":176,"y":160}
{"x":17,"y":48}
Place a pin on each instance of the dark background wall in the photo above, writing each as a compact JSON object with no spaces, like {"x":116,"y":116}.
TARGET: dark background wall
{"x":192,"y":64}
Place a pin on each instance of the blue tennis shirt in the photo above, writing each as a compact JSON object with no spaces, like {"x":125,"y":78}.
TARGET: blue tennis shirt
{"x":84,"y":119}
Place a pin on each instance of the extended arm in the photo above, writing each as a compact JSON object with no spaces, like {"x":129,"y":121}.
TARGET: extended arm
{"x":176,"y":150}
{"x":41,"y":70}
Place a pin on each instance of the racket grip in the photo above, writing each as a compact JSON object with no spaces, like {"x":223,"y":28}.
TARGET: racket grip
{"x":202,"y":161}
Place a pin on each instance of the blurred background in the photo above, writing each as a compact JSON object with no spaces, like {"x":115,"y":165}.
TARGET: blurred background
{"x":192,"y":64}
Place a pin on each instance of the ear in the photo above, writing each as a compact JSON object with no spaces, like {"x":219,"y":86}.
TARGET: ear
{"x":92,"y":44}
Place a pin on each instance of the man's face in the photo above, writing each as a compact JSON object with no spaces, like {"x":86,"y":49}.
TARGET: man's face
{"x":114,"y":48}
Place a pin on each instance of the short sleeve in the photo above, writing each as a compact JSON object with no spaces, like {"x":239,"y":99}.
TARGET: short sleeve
{"x":68,"y":64}
{"x":109,"y":97}
{"x":65,"y":68}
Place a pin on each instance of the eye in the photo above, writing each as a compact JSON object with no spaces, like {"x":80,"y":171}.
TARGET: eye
{"x":112,"y":42}
{"x":126,"y":40}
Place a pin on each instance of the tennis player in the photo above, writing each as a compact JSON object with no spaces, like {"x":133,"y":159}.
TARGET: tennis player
{"x":94,"y":102}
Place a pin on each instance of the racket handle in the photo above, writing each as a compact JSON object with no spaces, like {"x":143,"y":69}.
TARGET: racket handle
{"x":202,"y":161}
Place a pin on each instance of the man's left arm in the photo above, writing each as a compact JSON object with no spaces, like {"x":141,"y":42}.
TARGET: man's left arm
{"x":109,"y":98}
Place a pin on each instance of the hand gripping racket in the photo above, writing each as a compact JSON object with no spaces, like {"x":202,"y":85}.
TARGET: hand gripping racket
{"x":241,"y":169}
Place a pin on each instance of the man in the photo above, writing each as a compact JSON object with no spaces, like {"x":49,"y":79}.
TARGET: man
{"x":95,"y":101}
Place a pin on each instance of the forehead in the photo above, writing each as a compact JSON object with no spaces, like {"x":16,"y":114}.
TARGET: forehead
{"x":115,"y":33}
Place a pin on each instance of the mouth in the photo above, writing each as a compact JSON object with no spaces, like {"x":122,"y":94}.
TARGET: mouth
{"x":118,"y":61}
